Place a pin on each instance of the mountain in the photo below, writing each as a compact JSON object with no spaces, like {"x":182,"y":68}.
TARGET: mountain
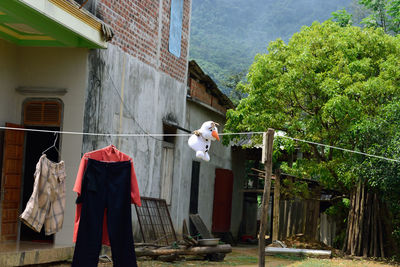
{"x":227,"y":34}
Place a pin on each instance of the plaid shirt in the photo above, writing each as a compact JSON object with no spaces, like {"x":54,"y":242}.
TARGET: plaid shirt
{"x":47,"y":202}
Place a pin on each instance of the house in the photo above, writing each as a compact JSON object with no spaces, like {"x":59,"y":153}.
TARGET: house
{"x":215,"y":188}
{"x":58,"y":72}
{"x":44,"y":48}
{"x":138,"y":86}
{"x":110,"y":67}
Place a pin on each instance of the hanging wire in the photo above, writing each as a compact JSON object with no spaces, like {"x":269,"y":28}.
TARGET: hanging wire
{"x":93,"y":134}
{"x":187,"y":134}
{"x":338,"y":148}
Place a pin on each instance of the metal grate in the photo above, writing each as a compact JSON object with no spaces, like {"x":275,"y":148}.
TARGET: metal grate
{"x":155,"y":222}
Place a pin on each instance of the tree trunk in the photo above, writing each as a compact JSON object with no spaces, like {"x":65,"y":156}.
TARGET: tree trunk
{"x":368,"y":226}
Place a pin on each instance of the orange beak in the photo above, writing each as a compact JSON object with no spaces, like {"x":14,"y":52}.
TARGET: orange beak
{"x":215,"y":135}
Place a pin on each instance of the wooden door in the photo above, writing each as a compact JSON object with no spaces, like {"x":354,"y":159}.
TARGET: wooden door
{"x":167,"y":170}
{"x":11,"y":182}
{"x":221,"y":221}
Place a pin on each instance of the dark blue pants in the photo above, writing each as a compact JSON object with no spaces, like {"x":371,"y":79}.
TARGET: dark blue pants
{"x":105,"y":186}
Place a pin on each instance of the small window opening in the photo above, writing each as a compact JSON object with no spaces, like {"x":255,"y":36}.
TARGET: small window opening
{"x":167,"y":129}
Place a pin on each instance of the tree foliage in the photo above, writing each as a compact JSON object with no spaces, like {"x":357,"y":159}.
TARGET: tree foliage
{"x":384,"y":14}
{"x":325,"y":85}
{"x":333,"y":85}
{"x":342,"y":17}
{"x":234,"y":84}
{"x":225,"y":35}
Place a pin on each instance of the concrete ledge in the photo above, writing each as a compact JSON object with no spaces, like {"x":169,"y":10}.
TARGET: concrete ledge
{"x":36,"y":256}
{"x":298,"y":252}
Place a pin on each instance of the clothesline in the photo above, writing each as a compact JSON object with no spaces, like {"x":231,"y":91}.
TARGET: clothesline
{"x":187,"y":134}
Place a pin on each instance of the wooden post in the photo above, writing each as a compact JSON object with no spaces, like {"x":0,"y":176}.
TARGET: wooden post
{"x":268,"y":142}
{"x":277,"y":199}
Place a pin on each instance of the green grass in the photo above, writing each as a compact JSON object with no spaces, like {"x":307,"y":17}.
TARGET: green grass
{"x":240,"y":260}
{"x":315,"y":263}
{"x":290,"y":257}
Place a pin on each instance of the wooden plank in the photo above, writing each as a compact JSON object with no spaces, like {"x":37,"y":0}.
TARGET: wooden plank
{"x":185,"y":230}
{"x":200,"y":226}
{"x":268,"y":142}
{"x":226,"y":248}
{"x":11,"y":182}
{"x":277,"y":198}
{"x":167,"y":174}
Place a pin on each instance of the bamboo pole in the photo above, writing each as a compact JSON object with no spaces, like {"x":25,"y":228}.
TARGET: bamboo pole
{"x":277,"y":198}
{"x":268,"y":142}
{"x":361,"y":237}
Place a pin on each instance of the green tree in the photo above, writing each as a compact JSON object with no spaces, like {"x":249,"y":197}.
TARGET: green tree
{"x":381,"y":13}
{"x":233,"y":84}
{"x":342,"y":17}
{"x":329,"y":85}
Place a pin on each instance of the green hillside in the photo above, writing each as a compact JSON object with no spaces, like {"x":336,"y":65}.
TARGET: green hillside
{"x":227,"y":34}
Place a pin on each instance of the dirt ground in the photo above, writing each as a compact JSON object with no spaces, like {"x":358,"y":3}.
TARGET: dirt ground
{"x":246,"y":256}
{"x":240,"y":256}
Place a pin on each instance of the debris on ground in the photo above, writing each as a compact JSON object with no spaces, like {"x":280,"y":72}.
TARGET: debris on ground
{"x":302,"y":252}
{"x":301,"y":241}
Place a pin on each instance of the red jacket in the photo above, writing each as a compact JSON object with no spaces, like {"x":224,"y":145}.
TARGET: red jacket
{"x":107,"y":154}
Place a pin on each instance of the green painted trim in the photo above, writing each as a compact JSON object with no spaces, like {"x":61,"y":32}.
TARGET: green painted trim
{"x":36,"y":43}
{"x":40,"y":22}
{"x":24,"y":14}
{"x":8,"y":19}
{"x":8,"y":38}
{"x":19,"y":32}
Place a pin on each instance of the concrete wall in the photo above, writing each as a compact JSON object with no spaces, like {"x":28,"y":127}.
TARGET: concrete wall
{"x":126,"y":95}
{"x":52,"y":68}
{"x":8,"y":81}
{"x":221,"y":157}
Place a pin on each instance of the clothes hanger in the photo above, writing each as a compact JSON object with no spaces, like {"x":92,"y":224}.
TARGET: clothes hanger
{"x":114,"y":148}
{"x":53,"y":146}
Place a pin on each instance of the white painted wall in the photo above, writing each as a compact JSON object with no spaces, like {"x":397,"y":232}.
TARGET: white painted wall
{"x":56,"y":68}
{"x":8,"y":82}
{"x":220,"y":157}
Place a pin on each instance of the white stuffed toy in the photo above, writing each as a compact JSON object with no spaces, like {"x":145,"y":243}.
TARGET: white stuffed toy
{"x":201,"y":139}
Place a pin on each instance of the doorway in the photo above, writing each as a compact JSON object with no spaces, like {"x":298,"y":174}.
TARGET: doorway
{"x":194,"y":194}
{"x":39,"y":114}
{"x":194,"y":188}
{"x":222,"y":207}
{"x":35,"y":144}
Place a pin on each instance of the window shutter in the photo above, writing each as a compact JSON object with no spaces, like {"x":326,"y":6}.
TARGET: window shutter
{"x":42,"y":113}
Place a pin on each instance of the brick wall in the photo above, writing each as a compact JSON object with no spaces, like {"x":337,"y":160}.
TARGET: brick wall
{"x":215,"y":104}
{"x":198,"y":91}
{"x":136,"y":27}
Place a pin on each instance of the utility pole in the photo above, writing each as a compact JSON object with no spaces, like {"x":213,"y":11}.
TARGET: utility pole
{"x":268,"y":143}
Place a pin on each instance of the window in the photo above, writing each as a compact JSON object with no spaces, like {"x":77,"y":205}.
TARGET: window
{"x":175,"y":27}
{"x":40,"y":112}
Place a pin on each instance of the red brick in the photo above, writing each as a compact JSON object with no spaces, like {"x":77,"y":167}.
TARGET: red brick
{"x":135,"y":24}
